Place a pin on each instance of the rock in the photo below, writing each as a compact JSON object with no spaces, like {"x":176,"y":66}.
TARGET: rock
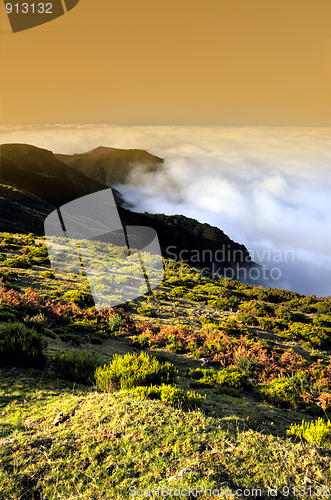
{"x":6,"y":441}
{"x":183,"y":473}
{"x":58,"y":419}
{"x":206,"y":361}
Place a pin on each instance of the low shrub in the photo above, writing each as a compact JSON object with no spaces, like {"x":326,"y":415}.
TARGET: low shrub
{"x":7,"y":317}
{"x":115,"y":322}
{"x":49,"y":334}
{"x":80,"y":297}
{"x":247,"y":364}
{"x":38,"y":321}
{"x":47,"y":274}
{"x":141,"y":341}
{"x":147,"y":311}
{"x":314,"y":432}
{"x":16,"y":263}
{"x":171,"y":395}
{"x":229,"y":380}
{"x":256,"y":308}
{"x":280,"y":392}
{"x":21,"y":346}
{"x":75,"y":340}
{"x":126,"y":372}
{"x":283,"y":313}
{"x":247,"y":319}
{"x":84,"y":326}
{"x":76,"y":366}
{"x":178,"y":291}
{"x":223,"y":304}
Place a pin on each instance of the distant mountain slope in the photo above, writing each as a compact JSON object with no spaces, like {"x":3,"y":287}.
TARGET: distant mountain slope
{"x":40,"y":173}
{"x":111,"y":165}
{"x":34,"y":182}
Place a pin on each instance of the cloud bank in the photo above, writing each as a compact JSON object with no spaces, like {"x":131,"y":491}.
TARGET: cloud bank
{"x":266,"y":187}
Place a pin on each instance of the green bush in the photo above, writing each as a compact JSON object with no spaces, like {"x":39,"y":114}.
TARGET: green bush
{"x":141,"y":341}
{"x":281,"y":392}
{"x":179,"y":291}
{"x":256,"y":308}
{"x":223,"y":304}
{"x":126,"y":372}
{"x":115,"y":323}
{"x":76,"y":366}
{"x":75,"y":340}
{"x":84,"y":326}
{"x":318,"y":336}
{"x":283,"y":313}
{"x":314,"y":432}
{"x":265,"y":323}
{"x":171,"y":395}
{"x":232,"y":378}
{"x":21,"y":346}
{"x":16,"y":263}
{"x":229,"y":380}
{"x":7,"y":317}
{"x":247,"y":364}
{"x":47,"y":274}
{"x":147,"y":311}
{"x":80,"y":297}
{"x":248,"y":319}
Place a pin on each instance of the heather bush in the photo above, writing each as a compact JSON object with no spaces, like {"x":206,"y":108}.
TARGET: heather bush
{"x":115,"y":322}
{"x":19,"y":263}
{"x":256,"y":308}
{"x":283,"y":313}
{"x":147,"y":311}
{"x":76,"y":366}
{"x":141,"y":341}
{"x":247,"y":364}
{"x":7,"y":317}
{"x":247,"y":319}
{"x":313,"y":432}
{"x":280,"y":392}
{"x":179,"y":291}
{"x":223,"y":304}
{"x":80,"y":297}
{"x":230,"y":380}
{"x":171,"y":395}
{"x":21,"y":346}
{"x":126,"y":372}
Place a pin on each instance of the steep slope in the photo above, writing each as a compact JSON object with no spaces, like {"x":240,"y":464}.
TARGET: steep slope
{"x":40,"y":173}
{"x":111,"y":165}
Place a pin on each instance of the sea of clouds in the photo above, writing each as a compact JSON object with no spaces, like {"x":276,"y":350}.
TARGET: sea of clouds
{"x":265,"y":187}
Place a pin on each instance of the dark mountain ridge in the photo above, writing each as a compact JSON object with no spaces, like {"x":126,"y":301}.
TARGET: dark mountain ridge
{"x":34,"y":182}
{"x":110,"y":165}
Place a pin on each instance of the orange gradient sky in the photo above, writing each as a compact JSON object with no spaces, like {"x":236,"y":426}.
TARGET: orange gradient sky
{"x":227,"y":62}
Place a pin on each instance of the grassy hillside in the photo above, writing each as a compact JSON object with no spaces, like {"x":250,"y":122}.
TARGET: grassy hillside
{"x":111,"y":165}
{"x":251,"y":364}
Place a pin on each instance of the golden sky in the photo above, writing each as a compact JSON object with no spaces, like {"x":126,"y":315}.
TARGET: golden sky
{"x":159,"y":62}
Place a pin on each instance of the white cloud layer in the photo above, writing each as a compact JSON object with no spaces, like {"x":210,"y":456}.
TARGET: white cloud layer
{"x":266,"y":187}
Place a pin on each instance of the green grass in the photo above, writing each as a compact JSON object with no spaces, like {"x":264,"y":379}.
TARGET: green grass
{"x":109,"y":442}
